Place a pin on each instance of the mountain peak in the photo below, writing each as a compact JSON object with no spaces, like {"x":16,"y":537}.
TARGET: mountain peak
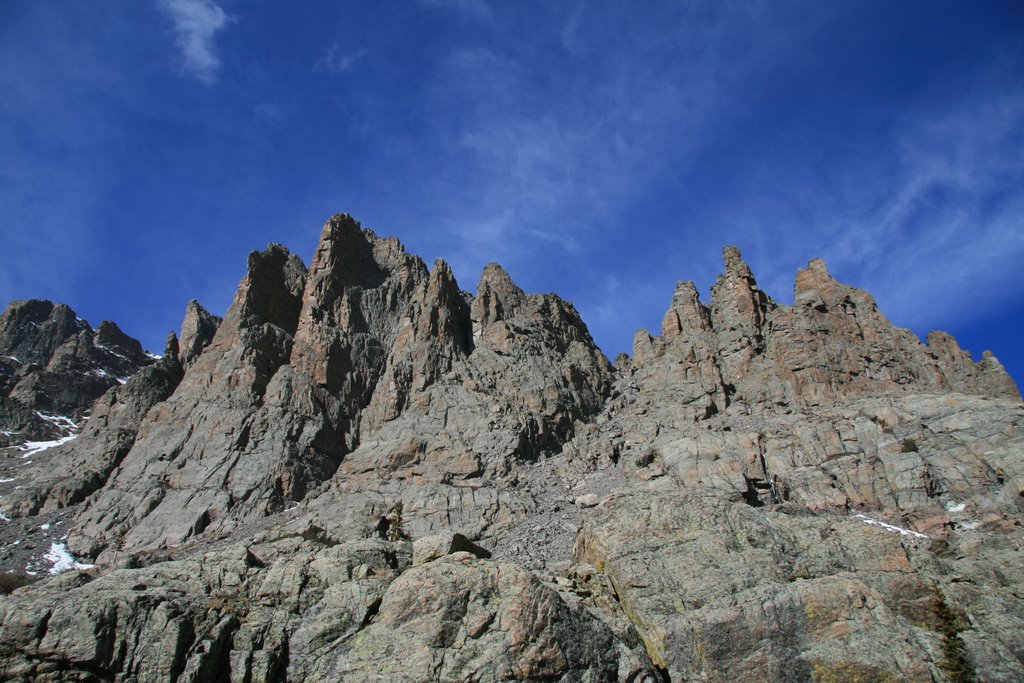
{"x":360,"y":448}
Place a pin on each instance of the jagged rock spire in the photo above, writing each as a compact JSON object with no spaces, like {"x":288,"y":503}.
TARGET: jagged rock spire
{"x":738,"y":311}
{"x":685,"y":313}
{"x":497,"y":298}
{"x":197,"y":331}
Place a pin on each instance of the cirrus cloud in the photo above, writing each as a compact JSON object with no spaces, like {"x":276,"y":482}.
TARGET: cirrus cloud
{"x":196,"y":23}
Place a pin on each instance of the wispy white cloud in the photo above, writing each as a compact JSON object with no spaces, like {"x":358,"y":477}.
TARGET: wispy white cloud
{"x":555,"y":161}
{"x":572,"y":26}
{"x":337,"y":61}
{"x":543,"y":165}
{"x":930,"y":221}
{"x":196,"y":23}
{"x":544,"y":169}
{"x":941,"y":243}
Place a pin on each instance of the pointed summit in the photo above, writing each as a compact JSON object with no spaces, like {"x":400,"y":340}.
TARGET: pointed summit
{"x":497,"y":297}
{"x":735,"y":266}
{"x":685,"y":313}
{"x":344,"y":256}
{"x":269,"y":291}
{"x":356,"y":280}
{"x":815,"y":287}
{"x":738,"y":312}
{"x":197,"y":331}
{"x":448,"y":316}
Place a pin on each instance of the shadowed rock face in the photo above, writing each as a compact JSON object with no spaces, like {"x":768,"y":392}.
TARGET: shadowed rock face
{"x":66,"y":474}
{"x":197,"y":331}
{"x":53,"y":362}
{"x":762,"y":492}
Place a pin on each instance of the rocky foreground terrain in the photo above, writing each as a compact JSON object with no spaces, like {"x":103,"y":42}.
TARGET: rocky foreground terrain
{"x":365,"y":473}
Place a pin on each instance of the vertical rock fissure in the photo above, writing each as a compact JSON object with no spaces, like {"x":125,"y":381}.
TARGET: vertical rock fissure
{"x":657,"y":660}
{"x":768,"y":476}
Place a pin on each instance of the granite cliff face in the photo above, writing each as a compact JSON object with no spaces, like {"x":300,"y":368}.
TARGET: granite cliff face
{"x":365,"y":473}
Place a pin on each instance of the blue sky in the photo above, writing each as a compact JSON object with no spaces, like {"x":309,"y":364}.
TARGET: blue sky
{"x":602,"y":150}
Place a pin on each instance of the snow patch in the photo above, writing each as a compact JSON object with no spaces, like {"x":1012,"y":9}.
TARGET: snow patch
{"x":122,"y":380}
{"x":953,"y":506}
{"x":32,"y":447}
{"x":111,"y":351}
{"x":890,"y":527}
{"x":62,"y":560}
{"x":4,"y":480}
{"x":62,"y":422}
{"x":44,"y":527}
{"x":970,"y":525}
{"x":12,"y":358}
{"x":5,"y":518}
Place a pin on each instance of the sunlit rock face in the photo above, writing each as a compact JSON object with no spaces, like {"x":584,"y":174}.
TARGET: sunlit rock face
{"x":364,"y":472}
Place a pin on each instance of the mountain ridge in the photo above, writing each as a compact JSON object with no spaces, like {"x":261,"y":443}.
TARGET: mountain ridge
{"x":341,"y":410}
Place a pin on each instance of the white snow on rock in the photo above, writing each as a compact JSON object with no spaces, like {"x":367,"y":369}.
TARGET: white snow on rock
{"x":111,"y":351}
{"x":12,"y":358}
{"x":62,"y":560}
{"x":890,"y":527}
{"x":62,"y":422}
{"x":154,"y":356}
{"x":32,"y":447}
{"x":4,"y":480}
{"x":953,"y":506}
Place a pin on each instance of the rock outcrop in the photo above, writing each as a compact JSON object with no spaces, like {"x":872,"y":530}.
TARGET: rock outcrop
{"x":721,"y":591}
{"x":66,"y":473}
{"x":365,"y":473}
{"x":368,"y":362}
{"x":181,"y":474}
{"x":832,"y":344}
{"x":53,"y":367}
